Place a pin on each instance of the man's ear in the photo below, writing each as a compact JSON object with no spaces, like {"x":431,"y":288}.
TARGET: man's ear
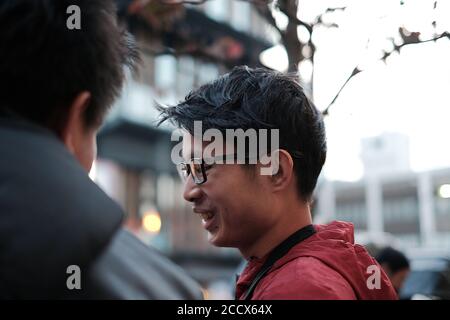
{"x":283,"y":169}
{"x":74,"y":127}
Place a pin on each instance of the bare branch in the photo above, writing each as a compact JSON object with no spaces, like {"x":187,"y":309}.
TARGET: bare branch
{"x":434,"y":23}
{"x":335,"y":9}
{"x":329,"y":25}
{"x":319,"y":19}
{"x":397,"y":48}
{"x":414,"y":40}
{"x":265,"y":12}
{"x":355,"y":71}
{"x":292,"y":16}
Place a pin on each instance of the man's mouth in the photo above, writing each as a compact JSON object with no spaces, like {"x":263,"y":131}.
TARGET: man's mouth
{"x":207,"y":217}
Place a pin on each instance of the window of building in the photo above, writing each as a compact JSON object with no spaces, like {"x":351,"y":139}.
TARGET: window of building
{"x":165,"y":72}
{"x":352,"y":211}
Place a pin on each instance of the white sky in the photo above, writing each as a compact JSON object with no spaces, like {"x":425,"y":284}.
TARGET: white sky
{"x":409,"y":94}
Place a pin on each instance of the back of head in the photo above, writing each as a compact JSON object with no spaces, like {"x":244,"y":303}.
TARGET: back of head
{"x":44,"y":64}
{"x":393,"y":259}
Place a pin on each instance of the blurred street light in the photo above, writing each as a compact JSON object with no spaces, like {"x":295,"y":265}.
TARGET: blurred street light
{"x":444,"y":191}
{"x":151,"y":222}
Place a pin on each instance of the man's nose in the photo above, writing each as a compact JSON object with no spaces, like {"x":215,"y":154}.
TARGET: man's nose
{"x":192,"y":192}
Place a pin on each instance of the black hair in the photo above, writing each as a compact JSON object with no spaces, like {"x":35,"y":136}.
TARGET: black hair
{"x":394,"y":259}
{"x":44,"y":64}
{"x":256,"y":99}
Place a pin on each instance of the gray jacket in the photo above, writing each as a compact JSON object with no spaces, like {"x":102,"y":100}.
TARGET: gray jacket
{"x":53,"y":216}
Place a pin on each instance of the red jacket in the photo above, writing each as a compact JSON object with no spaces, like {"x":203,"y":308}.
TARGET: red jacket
{"x":327,"y":265}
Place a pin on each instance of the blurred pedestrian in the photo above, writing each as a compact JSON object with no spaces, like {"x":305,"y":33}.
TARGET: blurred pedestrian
{"x":264,"y":208}
{"x":395,"y":264}
{"x":60,"y":234}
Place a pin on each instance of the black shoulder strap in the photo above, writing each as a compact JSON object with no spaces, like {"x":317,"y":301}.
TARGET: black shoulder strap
{"x":278,"y":253}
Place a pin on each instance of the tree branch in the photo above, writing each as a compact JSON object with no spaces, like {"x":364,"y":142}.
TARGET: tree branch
{"x":414,"y":40}
{"x":265,"y":12}
{"x":292,"y":16}
{"x":397,"y":48}
{"x":355,"y":71}
{"x":319,"y":19}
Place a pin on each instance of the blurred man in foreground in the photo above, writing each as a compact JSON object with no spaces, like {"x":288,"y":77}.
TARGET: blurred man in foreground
{"x":60,"y":235}
{"x":262,"y":207}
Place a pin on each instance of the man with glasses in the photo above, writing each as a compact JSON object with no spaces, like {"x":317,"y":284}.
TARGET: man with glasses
{"x":268,"y":216}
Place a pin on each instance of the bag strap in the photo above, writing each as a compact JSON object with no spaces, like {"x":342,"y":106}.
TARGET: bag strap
{"x":278,"y":253}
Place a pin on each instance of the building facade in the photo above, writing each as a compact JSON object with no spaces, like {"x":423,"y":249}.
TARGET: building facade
{"x":391,"y":201}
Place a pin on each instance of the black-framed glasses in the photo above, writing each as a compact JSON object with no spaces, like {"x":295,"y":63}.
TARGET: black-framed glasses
{"x":197,"y":167}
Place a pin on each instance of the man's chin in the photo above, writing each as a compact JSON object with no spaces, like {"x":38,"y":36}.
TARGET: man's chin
{"x":218,"y":241}
{"x":215,"y":239}
{"x":212,"y":238}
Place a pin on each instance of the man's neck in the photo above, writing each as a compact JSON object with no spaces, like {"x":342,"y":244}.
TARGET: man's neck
{"x":292,"y":220}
